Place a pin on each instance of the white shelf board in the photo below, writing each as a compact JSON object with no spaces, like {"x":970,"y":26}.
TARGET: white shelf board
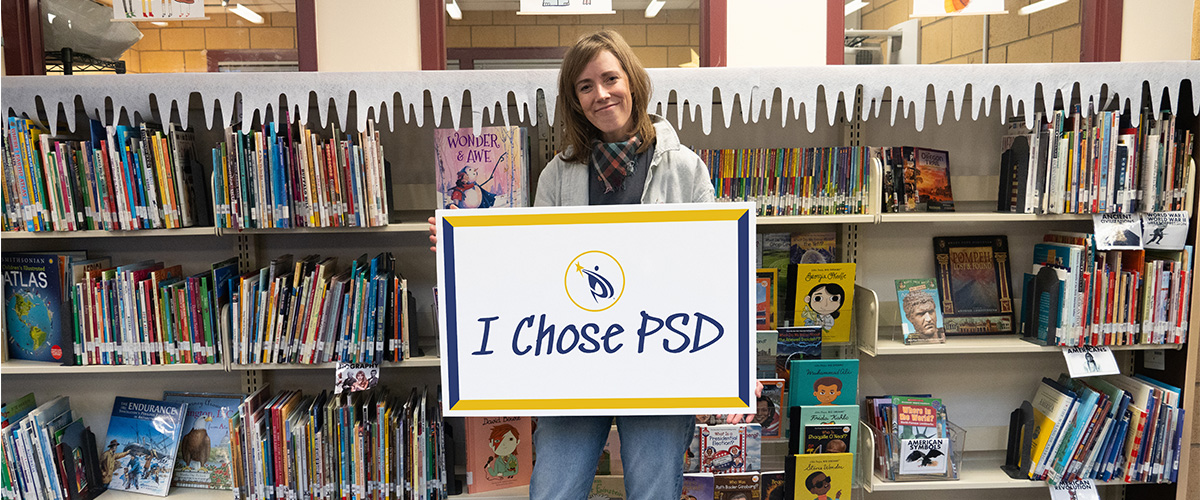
{"x":517,"y":493}
{"x":48,"y":235}
{"x":889,"y":344}
{"x":980,"y":471}
{"x":174,"y":494}
{"x":796,"y":220}
{"x":976,"y":211}
{"x":24,"y":367}
{"x":418,"y":362}
{"x":404,"y":227}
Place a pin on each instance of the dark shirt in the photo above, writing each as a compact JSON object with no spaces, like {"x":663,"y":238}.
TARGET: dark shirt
{"x":630,"y":192}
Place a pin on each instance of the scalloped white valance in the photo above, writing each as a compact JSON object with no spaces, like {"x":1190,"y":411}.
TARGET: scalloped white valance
{"x":694,"y":88}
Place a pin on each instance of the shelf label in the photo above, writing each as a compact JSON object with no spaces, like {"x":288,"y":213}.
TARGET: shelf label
{"x":1081,"y":489}
{"x":1090,"y":361}
{"x":610,"y":310}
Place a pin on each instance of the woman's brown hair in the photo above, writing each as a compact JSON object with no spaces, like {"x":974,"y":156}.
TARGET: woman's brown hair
{"x":578,"y":131}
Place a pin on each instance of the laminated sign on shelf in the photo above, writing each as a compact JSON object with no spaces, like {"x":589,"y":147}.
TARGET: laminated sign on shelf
{"x":608,"y":310}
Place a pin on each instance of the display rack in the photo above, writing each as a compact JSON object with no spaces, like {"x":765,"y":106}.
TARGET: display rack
{"x":950,"y":107}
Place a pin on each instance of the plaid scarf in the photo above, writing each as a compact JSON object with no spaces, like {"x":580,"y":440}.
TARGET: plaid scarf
{"x":614,"y":160}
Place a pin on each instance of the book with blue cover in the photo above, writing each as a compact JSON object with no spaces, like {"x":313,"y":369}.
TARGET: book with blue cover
{"x":203,"y":459}
{"x":39,"y":327}
{"x":143,"y":437}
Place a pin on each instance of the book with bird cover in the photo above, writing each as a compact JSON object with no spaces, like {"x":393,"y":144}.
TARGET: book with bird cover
{"x":204,"y":456}
{"x":482,"y":171}
{"x":143,"y":436}
{"x":499,"y":452}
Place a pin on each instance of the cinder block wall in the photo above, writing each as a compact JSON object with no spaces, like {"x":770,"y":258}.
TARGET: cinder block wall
{"x":181,"y":45}
{"x":1052,"y":35}
{"x":670,"y":39}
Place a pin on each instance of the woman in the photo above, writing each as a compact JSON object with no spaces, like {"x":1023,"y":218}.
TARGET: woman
{"x":616,"y":153}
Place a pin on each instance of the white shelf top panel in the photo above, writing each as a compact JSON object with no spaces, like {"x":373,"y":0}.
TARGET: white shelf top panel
{"x":980,"y":471}
{"x":976,"y":211}
{"x":418,"y":362}
{"x":142,"y":233}
{"x":23,"y":367}
{"x":889,"y":344}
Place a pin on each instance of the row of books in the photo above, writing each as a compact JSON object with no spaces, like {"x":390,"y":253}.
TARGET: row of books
{"x":794,"y":181}
{"x":1078,"y":295}
{"x":118,"y":178}
{"x":1098,"y":162}
{"x":307,"y":311}
{"x":913,"y":438}
{"x":916,"y":180}
{"x":1113,"y":427}
{"x":288,"y":176}
{"x":372,"y":444}
{"x":47,"y":453}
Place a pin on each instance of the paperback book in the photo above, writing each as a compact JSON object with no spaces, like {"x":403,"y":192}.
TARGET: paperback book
{"x":814,"y":248}
{"x":824,"y":382}
{"x":826,"y":429}
{"x":795,"y":343}
{"x":203,"y":459}
{"x":920,"y":311}
{"x":143,"y":437}
{"x":824,"y":296}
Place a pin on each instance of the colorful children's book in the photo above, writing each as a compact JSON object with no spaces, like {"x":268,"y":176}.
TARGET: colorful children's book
{"x":974,"y":282}
{"x":824,"y":476}
{"x":499,"y":452}
{"x":772,"y":484}
{"x":826,"y":429}
{"x":793,"y":343}
{"x":767,"y":344}
{"x":737,"y":486}
{"x":607,"y":488}
{"x":924,"y":440}
{"x":610,"y":459}
{"x":933,"y":179}
{"x":143,"y":436}
{"x":722,"y":448}
{"x":776,"y":253}
{"x":824,"y":296}
{"x":814,"y":248}
{"x":37,"y":316}
{"x":698,"y":486}
{"x":920,"y":311}
{"x":824,"y":382}
{"x":765,"y":298}
{"x":770,"y":407}
{"x":204,"y":456}
{"x":482,"y":171}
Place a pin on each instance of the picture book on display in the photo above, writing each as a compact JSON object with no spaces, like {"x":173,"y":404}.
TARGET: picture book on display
{"x":825,"y":429}
{"x":776,"y":253}
{"x":924,"y":440}
{"x":825,"y":476}
{"x":920,"y":311}
{"x":737,"y":486}
{"x":933,"y":179}
{"x":824,"y":382}
{"x":37,"y":314}
{"x":203,"y":459}
{"x":143,"y":436}
{"x":766,"y":346}
{"x":814,"y":248}
{"x":773,"y":484}
{"x":824,"y":296}
{"x":499,"y":452}
{"x":770,"y":407}
{"x":698,"y":486}
{"x":973,"y":274}
{"x":482,"y":171}
{"x":607,"y":488}
{"x":766,"y":304}
{"x":794,"y":343}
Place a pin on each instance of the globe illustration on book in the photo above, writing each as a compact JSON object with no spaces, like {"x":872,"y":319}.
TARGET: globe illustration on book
{"x":29,"y":321}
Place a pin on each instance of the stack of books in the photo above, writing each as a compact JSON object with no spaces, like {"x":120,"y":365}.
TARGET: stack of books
{"x":47,"y":452}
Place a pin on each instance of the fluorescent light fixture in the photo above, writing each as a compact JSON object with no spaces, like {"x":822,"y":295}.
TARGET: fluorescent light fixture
{"x":854,"y":6}
{"x":654,"y":7}
{"x":1039,"y":6}
{"x":158,"y":23}
{"x":454,"y":10}
{"x":247,"y":14}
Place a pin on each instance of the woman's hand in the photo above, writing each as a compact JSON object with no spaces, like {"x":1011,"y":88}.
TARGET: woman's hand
{"x":433,"y":234}
{"x":737,"y":419}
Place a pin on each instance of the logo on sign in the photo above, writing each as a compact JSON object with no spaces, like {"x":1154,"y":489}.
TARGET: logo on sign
{"x":594,"y":281}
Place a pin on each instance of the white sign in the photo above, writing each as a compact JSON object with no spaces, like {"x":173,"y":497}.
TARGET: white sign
{"x":924,"y":456}
{"x":1165,"y":230}
{"x":158,"y":10}
{"x":542,"y":7}
{"x":1081,"y":489}
{"x":1118,"y":231}
{"x":942,"y":8}
{"x":605,"y":310}
{"x":1090,"y":361}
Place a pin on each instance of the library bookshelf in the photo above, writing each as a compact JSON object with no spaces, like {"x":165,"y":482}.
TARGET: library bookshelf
{"x":957,"y":108}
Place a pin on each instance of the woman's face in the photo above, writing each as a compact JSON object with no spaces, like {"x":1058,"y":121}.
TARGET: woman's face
{"x":603,"y":92}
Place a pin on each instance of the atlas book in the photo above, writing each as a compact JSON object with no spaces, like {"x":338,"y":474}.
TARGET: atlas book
{"x":499,"y":452}
{"x":825,"y":476}
{"x":973,"y":274}
{"x":38,"y":318}
{"x":204,"y":458}
{"x":818,"y":247}
{"x":920,"y":311}
{"x":825,"y":429}
{"x":824,"y":382}
{"x":824,"y":296}
{"x":793,"y":343}
{"x":143,"y":436}
{"x":482,"y":171}
{"x":766,"y":302}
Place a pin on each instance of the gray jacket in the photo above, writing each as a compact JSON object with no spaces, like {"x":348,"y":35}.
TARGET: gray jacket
{"x":676,"y":175}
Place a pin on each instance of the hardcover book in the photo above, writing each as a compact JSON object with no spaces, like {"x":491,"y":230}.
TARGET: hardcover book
{"x":824,"y":295}
{"x":203,"y":460}
{"x":772,"y":484}
{"x":920,"y":311}
{"x":973,"y":275}
{"x":37,"y":323}
{"x":737,"y":486}
{"x":76,"y":463}
{"x":793,"y":343}
{"x":824,"y":382}
{"x":482,"y":171}
{"x":766,"y":305}
{"x":770,"y":407}
{"x":825,"y":476}
{"x":698,"y":486}
{"x":499,"y":452}
{"x":143,"y":436}
{"x":826,"y":429}
{"x":814,"y":248}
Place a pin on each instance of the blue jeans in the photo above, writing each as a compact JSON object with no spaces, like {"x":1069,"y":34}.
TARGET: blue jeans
{"x":652,"y":452}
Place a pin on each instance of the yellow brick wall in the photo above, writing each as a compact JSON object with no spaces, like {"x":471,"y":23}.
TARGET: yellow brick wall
{"x":182,"y":46}
{"x":670,"y":39}
{"x":1052,"y":35}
